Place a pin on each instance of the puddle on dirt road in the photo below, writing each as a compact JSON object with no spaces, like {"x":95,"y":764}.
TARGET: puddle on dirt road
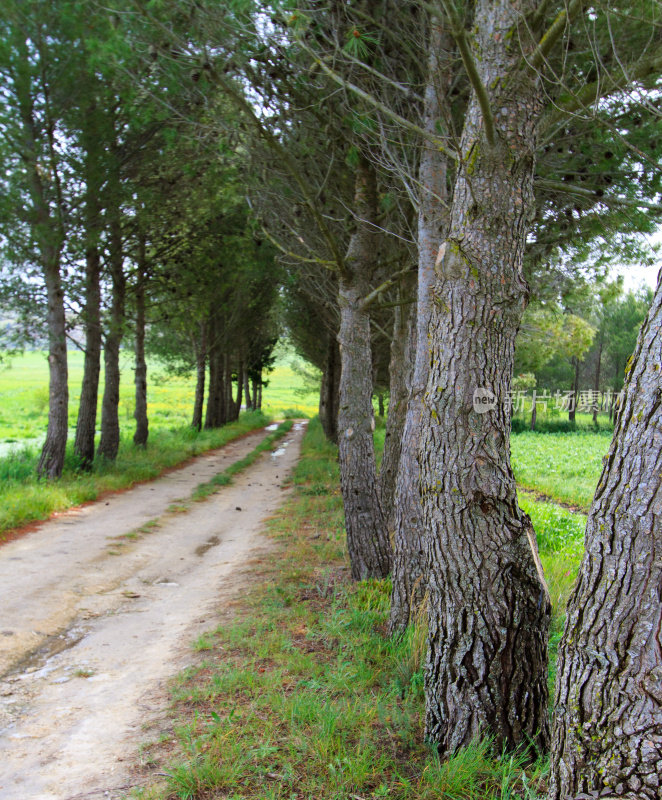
{"x":200,"y":550}
{"x":37,"y":662}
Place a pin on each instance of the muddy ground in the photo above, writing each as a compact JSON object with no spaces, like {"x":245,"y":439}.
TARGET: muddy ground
{"x":99,"y":608}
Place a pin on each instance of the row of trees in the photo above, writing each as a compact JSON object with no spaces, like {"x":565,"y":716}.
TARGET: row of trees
{"x":423,"y":169}
{"x":121,"y":224}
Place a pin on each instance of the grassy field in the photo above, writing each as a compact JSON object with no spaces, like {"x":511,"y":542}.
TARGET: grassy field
{"x":303,"y":695}
{"x":24,"y":395}
{"x":564,"y":466}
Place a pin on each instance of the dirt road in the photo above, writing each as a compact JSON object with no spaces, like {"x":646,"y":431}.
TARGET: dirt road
{"x":99,"y":607}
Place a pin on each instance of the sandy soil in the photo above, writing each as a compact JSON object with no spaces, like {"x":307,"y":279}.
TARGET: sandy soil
{"x":98,"y":609}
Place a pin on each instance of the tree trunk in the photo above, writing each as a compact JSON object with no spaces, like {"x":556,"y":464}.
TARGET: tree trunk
{"x":48,"y":230}
{"x":110,"y":424}
{"x":367,"y":538}
{"x":240,"y":389}
{"x":228,"y":400}
{"x":89,"y":396}
{"x":486,"y":668}
{"x":247,"y":389}
{"x":140,"y":413}
{"x":200,"y":374}
{"x":608,"y":710}
{"x":403,"y":347}
{"x":329,"y":391}
{"x":216,"y":406}
{"x":51,"y":461}
{"x":596,"y":381}
{"x":409,"y":567}
{"x":572,"y":411}
{"x":258,"y":404}
{"x":534,"y":411}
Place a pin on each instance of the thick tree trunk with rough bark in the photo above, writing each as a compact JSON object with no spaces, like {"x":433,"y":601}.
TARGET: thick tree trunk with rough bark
{"x":110,"y":424}
{"x":607,"y":737}
{"x":367,"y":538}
{"x":486,"y":668}
{"x":142,"y":423}
{"x":400,"y":371}
{"x":409,"y":565}
{"x":330,"y":391}
{"x":200,"y":374}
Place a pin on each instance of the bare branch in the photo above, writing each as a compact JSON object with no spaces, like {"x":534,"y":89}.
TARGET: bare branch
{"x":375,"y":293}
{"x":589,"y":194}
{"x":459,"y":34}
{"x":554,"y":33}
{"x":373,"y":101}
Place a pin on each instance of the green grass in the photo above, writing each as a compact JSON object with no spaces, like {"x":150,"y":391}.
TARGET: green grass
{"x":564,"y":466}
{"x":303,"y":695}
{"x":24,"y":394}
{"x":24,"y":499}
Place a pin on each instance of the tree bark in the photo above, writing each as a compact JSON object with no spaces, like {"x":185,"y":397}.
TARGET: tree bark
{"x":89,"y":396}
{"x":403,"y":348}
{"x":572,"y":412}
{"x":607,"y":735}
{"x":200,"y":374}
{"x":216,"y":407}
{"x":240,"y":389}
{"x":330,"y":391}
{"x":254,"y":406}
{"x":51,"y":461}
{"x":228,"y":401}
{"x":110,"y":424}
{"x":247,"y":390}
{"x":409,"y":567}
{"x":48,"y":230}
{"x":142,"y":423}
{"x":596,"y":381}
{"x":367,"y":538}
{"x":486,"y":668}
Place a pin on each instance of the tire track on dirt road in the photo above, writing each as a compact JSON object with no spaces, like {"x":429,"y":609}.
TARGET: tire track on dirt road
{"x":92,"y":624}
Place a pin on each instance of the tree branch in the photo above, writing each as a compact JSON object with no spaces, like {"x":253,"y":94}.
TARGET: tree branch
{"x":591,"y":93}
{"x":554,"y":32}
{"x":272,"y":142}
{"x":589,"y":194}
{"x":375,"y":293}
{"x":373,"y":101}
{"x":459,"y":34}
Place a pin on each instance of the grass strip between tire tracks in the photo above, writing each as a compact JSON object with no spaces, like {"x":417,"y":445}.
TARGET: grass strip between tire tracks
{"x":224,"y":478}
